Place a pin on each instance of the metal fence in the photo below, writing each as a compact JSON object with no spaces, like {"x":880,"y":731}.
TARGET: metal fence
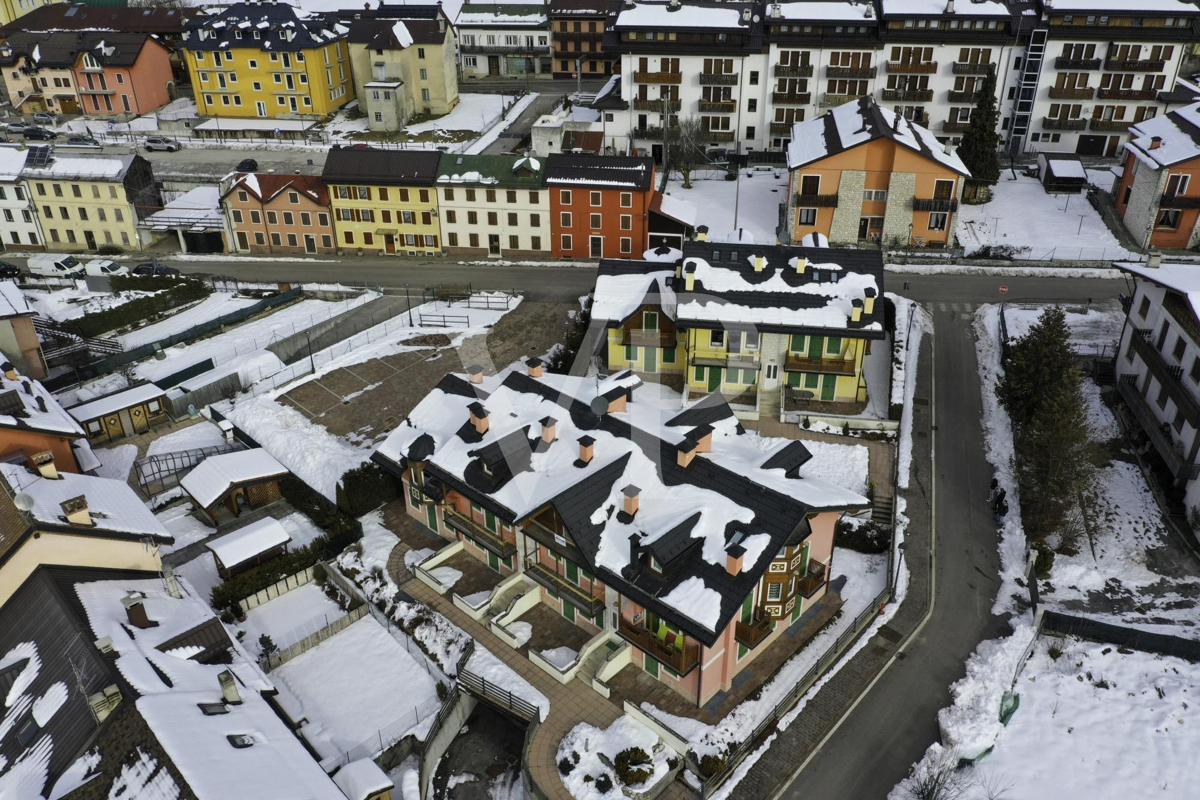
{"x":497,"y":695}
{"x":157,"y":473}
{"x":1096,"y":631}
{"x":281,"y":657}
{"x":444,"y":320}
{"x":386,"y":736}
{"x":221,"y":389}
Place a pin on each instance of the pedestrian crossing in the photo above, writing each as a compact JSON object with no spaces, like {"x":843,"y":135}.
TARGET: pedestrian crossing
{"x":961,"y":308}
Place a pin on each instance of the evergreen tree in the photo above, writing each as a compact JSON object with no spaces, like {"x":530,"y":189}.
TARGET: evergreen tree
{"x":267,"y":646}
{"x":980,"y":145}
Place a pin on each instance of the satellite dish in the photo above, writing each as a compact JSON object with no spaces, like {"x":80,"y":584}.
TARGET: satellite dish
{"x":24,"y":501}
{"x":599,"y":406}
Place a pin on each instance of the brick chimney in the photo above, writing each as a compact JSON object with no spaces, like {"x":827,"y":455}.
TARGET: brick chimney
{"x":475,"y":373}
{"x":685,"y":452}
{"x":76,"y":511}
{"x":479,"y":417}
{"x":135,"y":609}
{"x":733,"y":559}
{"x":618,"y":403}
{"x":587,"y":448}
{"x":549,"y":425}
{"x":632,"y":494}
{"x":1155,"y":142}
{"x":535,"y":367}
{"x":44,"y":462}
{"x":229,"y":688}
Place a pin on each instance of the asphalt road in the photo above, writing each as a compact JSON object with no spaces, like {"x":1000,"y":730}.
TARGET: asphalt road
{"x":896,"y":720}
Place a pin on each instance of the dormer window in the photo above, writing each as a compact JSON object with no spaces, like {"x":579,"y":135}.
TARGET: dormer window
{"x":655,"y":564}
{"x":240,"y":740}
{"x":213,"y":709}
{"x":487,"y":470}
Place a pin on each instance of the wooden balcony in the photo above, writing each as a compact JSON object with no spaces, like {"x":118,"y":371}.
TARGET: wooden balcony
{"x":955,"y":127}
{"x":1134,"y":65}
{"x":1127,"y":94}
{"x":1072,"y":92}
{"x":813,"y":580}
{"x":1062,"y":62}
{"x":799,"y":363}
{"x":753,"y":632}
{"x":658,"y":77}
{"x":793,"y":71}
{"x":681,"y":659}
{"x":477,"y":533}
{"x":790,"y":98}
{"x":909,"y":95}
{"x":718,"y":79}
{"x":912,"y":68}
{"x":1063,"y":124}
{"x":638,"y":338}
{"x":963,"y":68}
{"x":1110,"y":125}
{"x":648,"y":104}
{"x":717,"y":136}
{"x":931,"y":204}
{"x":648,"y":133}
{"x":1168,"y":374}
{"x":544,"y":576}
{"x":965,"y":97}
{"x":1175,"y":201}
{"x":718,"y":106}
{"x":782,"y":128}
{"x":816,"y":200}
{"x":853,"y":73}
{"x":1150,"y":425}
{"x":839,"y":99}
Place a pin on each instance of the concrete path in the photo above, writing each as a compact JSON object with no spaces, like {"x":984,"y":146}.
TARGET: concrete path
{"x":519,"y":128}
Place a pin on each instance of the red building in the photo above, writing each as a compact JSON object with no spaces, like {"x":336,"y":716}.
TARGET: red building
{"x":599,"y":205}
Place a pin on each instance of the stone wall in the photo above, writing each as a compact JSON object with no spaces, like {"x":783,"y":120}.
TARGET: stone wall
{"x":897,"y":219}
{"x":844,"y":228}
{"x":1147,"y":188}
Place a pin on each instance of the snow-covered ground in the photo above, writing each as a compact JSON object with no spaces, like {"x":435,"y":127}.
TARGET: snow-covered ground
{"x":214,"y":305}
{"x":115,"y":462}
{"x":474,"y":112}
{"x":66,"y":304}
{"x":493,"y":133}
{"x":757,"y":204}
{"x":201,"y":573}
{"x":585,"y":745}
{"x":1096,"y":331}
{"x":288,"y":618}
{"x":186,"y":528}
{"x":1021,"y":214}
{"x":354,"y":685}
{"x":193,"y":437}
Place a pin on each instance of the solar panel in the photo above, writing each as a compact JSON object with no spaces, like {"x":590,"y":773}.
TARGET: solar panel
{"x":39,"y":156}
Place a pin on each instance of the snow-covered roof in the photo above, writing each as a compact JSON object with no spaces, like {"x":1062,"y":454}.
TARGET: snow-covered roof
{"x":1181,"y":278}
{"x":966,"y":8}
{"x":858,"y":122}
{"x":12,"y":160}
{"x":216,"y":475}
{"x":361,"y":779}
{"x":747,"y":490}
{"x":1132,"y":6}
{"x":1066,"y":168}
{"x":111,"y":403}
{"x":682,"y":211}
{"x":274,"y":765}
{"x":620,"y":293}
{"x":31,"y":416}
{"x":663,"y":16}
{"x":199,"y":207}
{"x":815,"y":239}
{"x":1177,"y":133}
{"x":400,"y":31}
{"x":12,"y":301}
{"x":246,"y":543}
{"x":112,"y":505}
{"x":84,"y":167}
{"x":830,"y":11}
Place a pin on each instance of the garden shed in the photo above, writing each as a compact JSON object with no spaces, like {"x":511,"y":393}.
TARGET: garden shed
{"x":1061,"y":172}
{"x":127,"y":412}
{"x":247,"y":547}
{"x":231,"y":482}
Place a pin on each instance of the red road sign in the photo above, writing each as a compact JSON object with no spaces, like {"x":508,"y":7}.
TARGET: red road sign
{"x":1003,"y":289}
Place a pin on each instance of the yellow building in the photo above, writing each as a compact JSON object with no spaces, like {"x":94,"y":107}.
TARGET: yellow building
{"x":85,"y":202}
{"x":267,"y":60}
{"x":384,"y":201}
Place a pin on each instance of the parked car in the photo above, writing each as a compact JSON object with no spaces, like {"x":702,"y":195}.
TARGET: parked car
{"x":45,"y":118}
{"x":153,"y":269}
{"x":104,"y":267}
{"x":54,"y":265}
{"x":718,"y":156}
{"x":33,"y":132}
{"x":83,"y":140}
{"x":8,"y":270}
{"x":162,"y":143}
{"x":16,"y":127}
{"x":247,"y":165}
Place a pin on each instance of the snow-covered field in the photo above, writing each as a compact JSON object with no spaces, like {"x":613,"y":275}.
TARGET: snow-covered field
{"x":354,"y":685}
{"x":66,"y":304}
{"x":183,"y":526}
{"x":757,"y":204}
{"x":1092,"y":332}
{"x":115,"y":462}
{"x":288,"y":618}
{"x":193,"y":437}
{"x":1021,"y":214}
{"x":214,"y":305}
{"x":585,"y":745}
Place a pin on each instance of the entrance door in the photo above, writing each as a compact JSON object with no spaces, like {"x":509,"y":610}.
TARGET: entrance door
{"x":243,"y":241}
{"x":389,"y":244}
{"x":864,"y":225}
{"x":260,"y":108}
{"x":651,"y":359}
{"x":292,"y":104}
{"x":126,"y":422}
{"x":493,"y":65}
{"x":140,"y":424}
{"x":493,"y":244}
{"x":90,"y":238}
{"x":656,"y":150}
{"x":828,"y":385}
{"x":1113,"y":143}
{"x":310,"y":243}
{"x":651,"y":667}
{"x":597,"y":246}
{"x":431,"y":516}
{"x":714,"y":378}
{"x":113,"y":427}
{"x":1091,"y":145}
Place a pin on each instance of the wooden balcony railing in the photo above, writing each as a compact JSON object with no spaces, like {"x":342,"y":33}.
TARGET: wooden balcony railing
{"x":1111,"y":125}
{"x":782,"y":128}
{"x":793,"y":70}
{"x":658,"y":77}
{"x":648,"y":104}
{"x":963,"y":68}
{"x":494,"y":542}
{"x":718,"y":79}
{"x":681,"y":659}
{"x":544,"y":576}
{"x":791,"y":98}
{"x":912,"y":68}
{"x":648,"y":133}
{"x":718,"y":106}
{"x":931,"y":204}
{"x":955,"y":127}
{"x":1180,"y":469}
{"x":816,"y":200}
{"x":1134,"y":65}
{"x":853,"y":73}
{"x":1063,"y":124}
{"x":831,"y":366}
{"x":1062,"y":62}
{"x":1175,"y":201}
{"x":638,"y":338}
{"x":1127,"y":94}
{"x":753,"y":632}
{"x":909,"y":95}
{"x":1168,"y":374}
{"x":972,"y":96}
{"x":1072,"y":92}
{"x":839,"y":99}
{"x":812,"y":581}
{"x":717,"y":136}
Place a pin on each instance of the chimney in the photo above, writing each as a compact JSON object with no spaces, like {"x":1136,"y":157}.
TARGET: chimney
{"x":869,"y":301}
{"x":776,"y":11}
{"x":685,"y":452}
{"x":226,"y":429}
{"x":635,"y":548}
{"x":733,"y":559}
{"x":856,"y":308}
{"x":949,"y":6}
{"x":475,"y":373}
{"x":41,"y":404}
{"x":479,"y":417}
{"x":587,"y":449}
{"x":549,"y":424}
{"x":44,"y":461}
{"x":229,"y":688}
{"x":135,"y":609}
{"x":703,"y":437}
{"x":618,"y":403}
{"x":759,"y":263}
{"x":76,"y":511}
{"x":535,"y":367}
{"x":27,"y":386}
{"x":1154,"y":261}
{"x":631,"y":494}
{"x":1155,"y":142}
{"x":702,"y":233}
{"x":171,"y":582}
{"x":10,"y":371}
{"x":746,"y":15}
{"x":674,"y":5}
{"x":441,"y":24}
{"x":801,"y":265}
{"x":689,"y":276}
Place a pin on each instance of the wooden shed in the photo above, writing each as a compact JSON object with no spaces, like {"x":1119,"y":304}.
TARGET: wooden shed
{"x":1061,"y":172}
{"x":127,"y":412}
{"x":234,"y":481}
{"x":250,"y":546}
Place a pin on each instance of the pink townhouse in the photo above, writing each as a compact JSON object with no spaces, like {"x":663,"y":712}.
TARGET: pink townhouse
{"x":121,"y":74}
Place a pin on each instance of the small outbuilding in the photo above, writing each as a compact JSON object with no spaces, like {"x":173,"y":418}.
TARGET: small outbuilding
{"x":234,"y":481}
{"x":1061,"y":173}
{"x":250,"y":546}
{"x":127,"y":412}
{"x":364,"y":780}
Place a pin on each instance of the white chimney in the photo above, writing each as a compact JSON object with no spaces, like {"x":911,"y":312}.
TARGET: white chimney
{"x":949,"y":6}
{"x":171,"y":582}
{"x":475,"y":373}
{"x":776,"y":11}
{"x":1154,"y":261}
{"x":229,"y":688}
{"x":44,"y":461}
{"x":76,"y":511}
{"x":745,"y":15}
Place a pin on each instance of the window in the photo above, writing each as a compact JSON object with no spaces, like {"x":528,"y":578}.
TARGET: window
{"x":774,"y":591}
{"x":595,"y":198}
{"x":875,"y":195}
{"x":564,"y":219}
{"x":535,"y":242}
{"x":452,"y":239}
{"x":626,"y":244}
{"x":305,"y":219}
{"x":597,"y":221}
{"x":421,"y":55}
{"x":566,"y":241}
{"x":564,"y":197}
{"x":272,"y":218}
{"x":1195,"y":372}
{"x":1180,"y":347}
{"x":535,"y":220}
{"x":288,"y":218}
{"x":492,"y":218}
{"x":451,"y":217}
{"x":1162,"y":396}
{"x":806,"y":216}
{"x":237,"y":216}
{"x":512,"y":219}
{"x":276,"y":240}
{"x":514,"y":242}
{"x":1168,"y":218}
{"x":937,"y":221}
{"x":626,"y":200}
{"x":626,"y":222}
{"x":716,"y":338}
{"x":533,"y":198}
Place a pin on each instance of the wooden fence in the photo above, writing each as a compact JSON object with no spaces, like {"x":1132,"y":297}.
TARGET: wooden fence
{"x":276,"y":589}
{"x":312,"y":640}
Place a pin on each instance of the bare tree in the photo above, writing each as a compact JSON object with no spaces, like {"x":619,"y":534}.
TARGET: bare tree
{"x":685,"y":147}
{"x":940,"y":779}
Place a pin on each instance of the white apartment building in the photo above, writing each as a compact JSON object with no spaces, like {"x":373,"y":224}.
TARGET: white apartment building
{"x":493,"y":206}
{"x":503,"y":41}
{"x":18,"y":218}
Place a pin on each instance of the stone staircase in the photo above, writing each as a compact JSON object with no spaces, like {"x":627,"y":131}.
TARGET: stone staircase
{"x":881,"y":509}
{"x":587,"y":670}
{"x":769,"y":405}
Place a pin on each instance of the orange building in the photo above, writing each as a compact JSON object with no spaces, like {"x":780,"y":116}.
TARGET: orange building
{"x":863,"y":173}
{"x":599,"y":205}
{"x":122,"y":73}
{"x":1155,"y":196}
{"x":278,"y":214}
{"x":35,"y":430}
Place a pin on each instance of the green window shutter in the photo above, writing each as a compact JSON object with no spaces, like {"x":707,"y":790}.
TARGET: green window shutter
{"x":816,"y":346}
{"x":572,"y":572}
{"x":742,"y":650}
{"x":489,"y":521}
{"x":797,"y":345}
{"x":811,"y":380}
{"x":833,"y":345}
{"x":650,"y":321}
{"x":698,"y":373}
{"x":794,"y":378}
{"x":668,"y":355}
{"x":587,"y":576}
{"x":508,"y":562}
{"x":630,"y":352}
{"x":748,"y":607}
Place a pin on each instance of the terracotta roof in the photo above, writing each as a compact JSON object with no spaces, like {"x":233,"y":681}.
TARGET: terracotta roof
{"x":267,"y":187}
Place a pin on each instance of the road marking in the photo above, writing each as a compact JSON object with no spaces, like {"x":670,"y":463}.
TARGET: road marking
{"x":932,"y":571}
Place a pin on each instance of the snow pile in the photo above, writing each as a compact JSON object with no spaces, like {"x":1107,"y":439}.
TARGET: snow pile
{"x":591,"y":751}
{"x":66,"y":304}
{"x":484,"y":664}
{"x":180,"y":523}
{"x":1094,"y":331}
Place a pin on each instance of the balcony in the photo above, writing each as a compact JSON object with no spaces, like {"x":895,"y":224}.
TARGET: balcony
{"x":839,"y":99}
{"x":753,"y":632}
{"x":909,"y":95}
{"x":853,"y":73}
{"x":646,"y":104}
{"x":1062,"y":124}
{"x":799,"y":363}
{"x":1127,"y":94}
{"x":718,"y":79}
{"x":1175,"y":201}
{"x":1111,"y":125}
{"x":1153,"y":429}
{"x":782,"y":128}
{"x":1134,"y":65}
{"x":494,"y":542}
{"x":813,"y":580}
{"x":1063,"y":62}
{"x":940,"y":204}
{"x":89,"y":90}
{"x":791,"y":98}
{"x":648,"y":133}
{"x":816,"y":200}
{"x":544,"y":576}
{"x":681,"y":659}
{"x":1072,"y":92}
{"x":963,"y":68}
{"x":793,"y":71}
{"x":912,"y":68}
{"x":658,"y":77}
{"x":718,"y":106}
{"x":955,"y":127}
{"x":507,"y":49}
{"x":965,"y":97}
{"x":1169,"y":375}
{"x":717,"y":136}
{"x":638,"y":338}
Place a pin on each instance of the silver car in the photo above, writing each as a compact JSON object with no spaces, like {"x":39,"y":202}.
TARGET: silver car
{"x":162,"y":143}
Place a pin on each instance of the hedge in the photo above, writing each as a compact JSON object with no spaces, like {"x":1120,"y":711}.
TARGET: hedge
{"x":141,"y":309}
{"x":365,"y":488}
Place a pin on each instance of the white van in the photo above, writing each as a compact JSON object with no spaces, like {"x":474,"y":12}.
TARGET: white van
{"x":102,"y":266}
{"x":52,"y":265}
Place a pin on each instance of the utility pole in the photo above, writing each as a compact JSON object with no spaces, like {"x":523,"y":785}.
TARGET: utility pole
{"x":408,"y":303}
{"x":666,"y":139}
